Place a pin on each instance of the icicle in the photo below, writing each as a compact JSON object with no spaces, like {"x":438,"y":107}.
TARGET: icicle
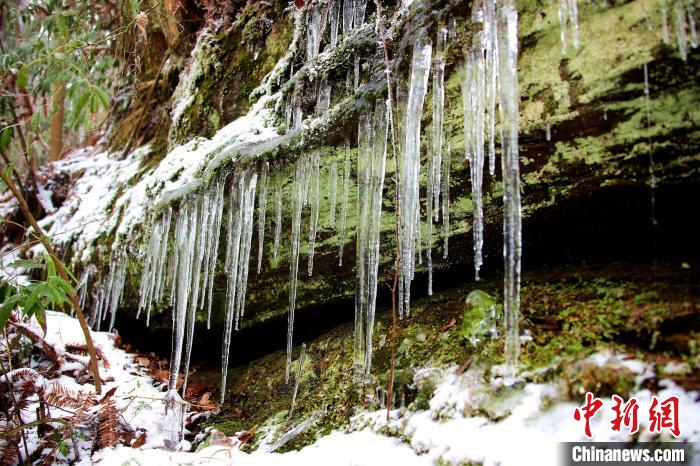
{"x":217,"y":212}
{"x":474,"y":99}
{"x":279,"y":192}
{"x":198,"y":224}
{"x":152,"y":277}
{"x":297,"y":379}
{"x":446,"y":162}
{"x":410,"y":166}
{"x":681,"y":29}
{"x":509,"y":101}
{"x":298,"y":202}
{"x":293,"y":433}
{"x":334,"y":21}
{"x":262,"y":207}
{"x":248,"y":208}
{"x":666,"y":36}
{"x":83,"y":287}
{"x":297,"y":112}
{"x":240,"y":232}
{"x":360,"y":7}
{"x":568,"y":16}
{"x":344,"y":203}
{"x":490,"y":46}
{"x":356,"y":79}
{"x":372,"y":145}
{"x":173,"y":419}
{"x":184,"y":247}
{"x":432,"y":199}
{"x":115,"y":285}
{"x":438,"y":117}
{"x":323,"y":100}
{"x":314,"y":197}
{"x":652,"y":164}
{"x":332,"y":191}
{"x":316,"y":23}
{"x":348,"y":15}
{"x":548,"y":132}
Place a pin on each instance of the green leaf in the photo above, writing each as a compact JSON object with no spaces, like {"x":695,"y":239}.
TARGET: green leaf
{"x":50,"y":266}
{"x":40,"y":315}
{"x":102,"y":95}
{"x":79,"y":107}
{"x":5,"y":137}
{"x":22,"y":76}
{"x":7,"y":307}
{"x":26,"y":264}
{"x":93,"y":103}
{"x":63,"y":448}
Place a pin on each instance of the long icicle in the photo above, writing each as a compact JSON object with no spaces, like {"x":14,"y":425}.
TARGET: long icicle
{"x":409,"y":168}
{"x":298,"y":202}
{"x":262,"y":207}
{"x":512,"y":242}
{"x":344,"y":203}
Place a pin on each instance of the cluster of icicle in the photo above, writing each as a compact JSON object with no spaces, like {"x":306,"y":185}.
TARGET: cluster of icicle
{"x":371,"y":163}
{"x":179,"y":266}
{"x":109,"y":295}
{"x":491,"y":80}
{"x":319,"y":17}
{"x":682,"y":23}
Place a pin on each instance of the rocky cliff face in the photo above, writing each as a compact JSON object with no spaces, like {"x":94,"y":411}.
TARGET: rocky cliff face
{"x":604,"y":129}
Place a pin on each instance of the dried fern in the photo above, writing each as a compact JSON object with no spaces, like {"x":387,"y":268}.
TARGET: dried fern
{"x":108,"y":428}
{"x":81,"y":348}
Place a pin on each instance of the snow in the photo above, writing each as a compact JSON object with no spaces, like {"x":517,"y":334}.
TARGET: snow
{"x":136,"y":393}
{"x":468,"y":418}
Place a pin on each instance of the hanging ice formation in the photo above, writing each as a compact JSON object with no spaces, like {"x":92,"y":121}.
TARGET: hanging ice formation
{"x":299,"y":199}
{"x":332,"y":191}
{"x":314,"y":198}
{"x":665,"y":35}
{"x":432,"y":198}
{"x":83,"y":286}
{"x":446,"y":162}
{"x":371,"y":163}
{"x":113,"y":290}
{"x":262,"y":208}
{"x":512,"y":242}
{"x":344,"y":203}
{"x":409,"y":168}
{"x":279,"y":188}
{"x":153,"y":275}
{"x":683,"y":25}
{"x":316,"y":18}
{"x":568,"y":17}
{"x":239,"y":227}
{"x":479,"y":94}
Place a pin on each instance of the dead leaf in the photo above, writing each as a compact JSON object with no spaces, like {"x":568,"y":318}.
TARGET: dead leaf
{"x":449,"y":325}
{"x":138,"y":443}
{"x":143,"y":360}
{"x":464,"y":366}
{"x":109,"y":394}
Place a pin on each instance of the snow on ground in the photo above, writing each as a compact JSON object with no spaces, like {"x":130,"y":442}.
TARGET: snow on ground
{"x":135,"y":390}
{"x":457,"y":427}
